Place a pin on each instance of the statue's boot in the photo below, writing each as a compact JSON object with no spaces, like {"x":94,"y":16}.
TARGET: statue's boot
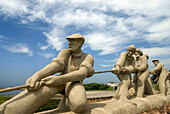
{"x":125,"y":99}
{"x":64,"y":104}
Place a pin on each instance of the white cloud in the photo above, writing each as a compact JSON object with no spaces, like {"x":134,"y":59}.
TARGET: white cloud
{"x":105,"y":62}
{"x":166,"y":63}
{"x":161,"y":53}
{"x":13,"y":8}
{"x":1,"y":38}
{"x":108,"y":26}
{"x":157,"y":51}
{"x":55,"y":39}
{"x":47,"y":55}
{"x":42,"y":47}
{"x":106,"y":43}
{"x":19,"y":48}
{"x":160,"y":32}
{"x":104,"y":66}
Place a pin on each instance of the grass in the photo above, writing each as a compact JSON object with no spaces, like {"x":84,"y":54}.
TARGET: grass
{"x":51,"y":104}
{"x":3,"y":99}
{"x":108,"y":89}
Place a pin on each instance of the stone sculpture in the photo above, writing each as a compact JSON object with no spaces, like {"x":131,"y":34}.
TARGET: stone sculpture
{"x":123,"y":69}
{"x":141,"y":79}
{"x":74,"y":66}
{"x":161,"y":73}
{"x":168,"y":83}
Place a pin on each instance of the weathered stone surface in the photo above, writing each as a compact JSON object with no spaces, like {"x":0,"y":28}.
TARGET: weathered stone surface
{"x":119,"y":107}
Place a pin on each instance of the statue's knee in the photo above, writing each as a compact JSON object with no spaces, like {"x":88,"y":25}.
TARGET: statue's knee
{"x":77,"y":108}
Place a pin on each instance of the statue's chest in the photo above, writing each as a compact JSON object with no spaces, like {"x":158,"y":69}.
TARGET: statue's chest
{"x":73,"y":64}
{"x":128,"y":62}
{"x":138,"y":63}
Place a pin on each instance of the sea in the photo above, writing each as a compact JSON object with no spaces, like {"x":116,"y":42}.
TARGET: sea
{"x":11,"y":92}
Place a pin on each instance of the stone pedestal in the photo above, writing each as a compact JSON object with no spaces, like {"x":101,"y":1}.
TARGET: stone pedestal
{"x":119,"y":107}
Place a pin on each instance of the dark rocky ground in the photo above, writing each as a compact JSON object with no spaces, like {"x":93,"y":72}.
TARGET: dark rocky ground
{"x":159,"y":110}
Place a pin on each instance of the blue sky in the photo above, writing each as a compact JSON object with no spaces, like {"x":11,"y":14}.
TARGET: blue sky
{"x":32,"y":32}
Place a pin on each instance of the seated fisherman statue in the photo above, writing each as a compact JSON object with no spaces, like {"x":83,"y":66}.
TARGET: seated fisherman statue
{"x":124,"y":67}
{"x":73,"y":67}
{"x":141,"y":79}
{"x":161,"y":73}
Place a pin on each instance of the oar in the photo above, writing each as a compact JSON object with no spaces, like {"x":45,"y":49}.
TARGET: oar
{"x":104,"y":71}
{"x":14,"y":88}
{"x":26,"y":86}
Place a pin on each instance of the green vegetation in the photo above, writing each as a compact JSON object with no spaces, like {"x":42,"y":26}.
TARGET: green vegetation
{"x":110,"y":88}
{"x":51,"y":104}
{"x":97,"y":86}
{"x":155,"y":86}
{"x":3,"y":99}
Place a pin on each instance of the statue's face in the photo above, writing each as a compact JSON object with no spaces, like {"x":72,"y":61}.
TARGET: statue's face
{"x":155,"y":63}
{"x":137,"y":54}
{"x":130,"y":53}
{"x":74,"y":44}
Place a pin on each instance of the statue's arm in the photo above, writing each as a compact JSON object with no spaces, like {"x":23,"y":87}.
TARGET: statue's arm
{"x":157,"y":68}
{"x":122,"y":59}
{"x":131,"y":68}
{"x":120,"y":63}
{"x":85,"y":70}
{"x":55,"y":66}
{"x":144,"y":64}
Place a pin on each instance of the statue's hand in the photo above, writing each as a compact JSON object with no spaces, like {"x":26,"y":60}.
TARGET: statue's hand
{"x":124,"y":70}
{"x":152,"y":72}
{"x":34,"y":82}
{"x":52,"y":81}
{"x":116,"y":69}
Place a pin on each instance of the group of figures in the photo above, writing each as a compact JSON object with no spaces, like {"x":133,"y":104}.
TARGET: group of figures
{"x":141,"y":82}
{"x":73,"y":66}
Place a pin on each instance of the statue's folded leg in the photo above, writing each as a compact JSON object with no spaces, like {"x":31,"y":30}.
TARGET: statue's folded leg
{"x":27,"y":102}
{"x":162,"y":86}
{"x":141,"y":83}
{"x":148,"y":87}
{"x":115,"y":95}
{"x":124,"y":84}
{"x":168,"y":86}
{"x":77,"y":97}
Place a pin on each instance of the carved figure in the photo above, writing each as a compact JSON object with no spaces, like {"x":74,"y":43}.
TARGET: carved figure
{"x":161,"y":74}
{"x":168,"y":83}
{"x":123,"y":69}
{"x":73,"y":66}
{"x":141,"y":78}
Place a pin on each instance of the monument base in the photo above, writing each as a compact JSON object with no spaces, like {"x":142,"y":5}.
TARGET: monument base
{"x":114,"y":106}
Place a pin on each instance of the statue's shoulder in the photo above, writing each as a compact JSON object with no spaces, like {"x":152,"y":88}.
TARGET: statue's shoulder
{"x":161,"y":64}
{"x":146,"y":55}
{"x":65,"y":51}
{"x":63,"y":54}
{"x":123,"y":54}
{"x":89,"y":56}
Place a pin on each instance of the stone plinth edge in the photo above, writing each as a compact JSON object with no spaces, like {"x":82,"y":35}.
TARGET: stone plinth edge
{"x":135,"y":106}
